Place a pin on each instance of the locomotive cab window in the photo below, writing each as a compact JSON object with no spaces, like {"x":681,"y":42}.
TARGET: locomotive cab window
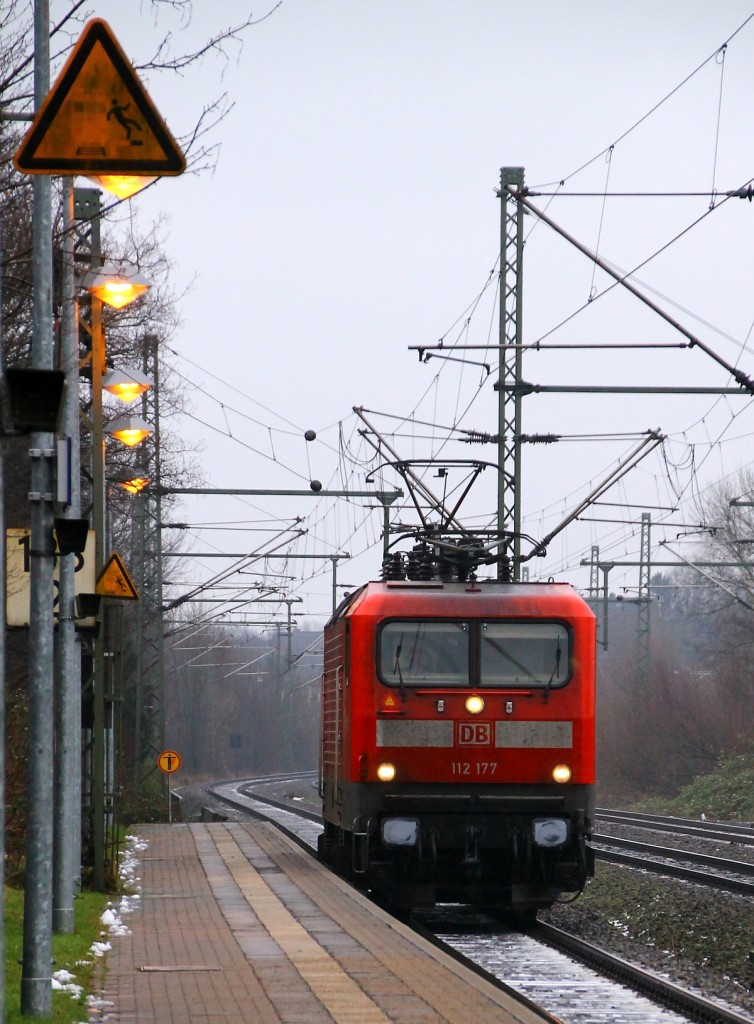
{"x":524,"y":654}
{"x":424,"y":654}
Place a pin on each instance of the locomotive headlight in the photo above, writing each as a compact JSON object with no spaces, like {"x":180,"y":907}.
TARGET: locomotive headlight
{"x":386,"y":772}
{"x":474,"y":705}
{"x":561,"y":773}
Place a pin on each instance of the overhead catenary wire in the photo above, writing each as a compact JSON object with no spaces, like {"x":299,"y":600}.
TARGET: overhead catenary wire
{"x":351,"y":513}
{"x":628,"y":131}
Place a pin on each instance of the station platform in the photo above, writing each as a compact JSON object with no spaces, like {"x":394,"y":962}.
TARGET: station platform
{"x":238,"y":924}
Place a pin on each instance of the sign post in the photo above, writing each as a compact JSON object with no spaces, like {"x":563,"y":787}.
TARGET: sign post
{"x":169,"y":761}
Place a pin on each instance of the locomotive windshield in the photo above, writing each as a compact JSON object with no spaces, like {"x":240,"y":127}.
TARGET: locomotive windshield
{"x":425,"y":654}
{"x":505,"y":654}
{"x":523,"y":654}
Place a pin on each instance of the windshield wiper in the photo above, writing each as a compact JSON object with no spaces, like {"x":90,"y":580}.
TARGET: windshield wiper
{"x":397,"y":668}
{"x":554,"y":674}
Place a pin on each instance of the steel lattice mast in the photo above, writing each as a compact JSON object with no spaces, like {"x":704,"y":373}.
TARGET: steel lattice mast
{"x":509,"y":378}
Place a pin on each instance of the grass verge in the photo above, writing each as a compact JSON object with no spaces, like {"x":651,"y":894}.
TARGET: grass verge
{"x":70,"y":952}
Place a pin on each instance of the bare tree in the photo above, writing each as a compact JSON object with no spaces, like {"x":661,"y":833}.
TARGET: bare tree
{"x":154,"y":316}
{"x":696,"y":704}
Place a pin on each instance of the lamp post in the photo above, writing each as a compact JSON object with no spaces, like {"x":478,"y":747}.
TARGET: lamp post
{"x":116,"y":285}
{"x":66,"y":879}
{"x":22,"y":411}
{"x":36,"y":981}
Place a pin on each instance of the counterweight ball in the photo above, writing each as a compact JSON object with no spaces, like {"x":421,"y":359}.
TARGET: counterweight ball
{"x":310,"y":435}
{"x":315,"y":485}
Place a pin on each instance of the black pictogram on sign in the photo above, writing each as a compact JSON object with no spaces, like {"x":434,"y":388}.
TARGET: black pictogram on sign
{"x":169,"y":761}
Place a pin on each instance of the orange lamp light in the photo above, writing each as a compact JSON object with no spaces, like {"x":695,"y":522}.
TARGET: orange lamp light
{"x":116,"y":284}
{"x":121,"y":185}
{"x":126,"y":384}
{"x":129,"y":429}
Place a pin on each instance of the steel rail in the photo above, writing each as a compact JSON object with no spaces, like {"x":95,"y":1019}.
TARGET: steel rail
{"x":676,"y":853}
{"x":677,"y":871}
{"x":726,"y":832}
{"x":646,"y":982}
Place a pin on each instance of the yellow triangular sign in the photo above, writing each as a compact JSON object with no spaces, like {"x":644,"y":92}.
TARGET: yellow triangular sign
{"x":114,"y":580}
{"x":98,"y":118}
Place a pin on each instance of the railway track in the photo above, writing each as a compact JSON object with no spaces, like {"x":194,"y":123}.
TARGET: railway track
{"x":538,"y":964}
{"x":667,"y":860}
{"x":722,"y":831}
{"x":728,"y":873}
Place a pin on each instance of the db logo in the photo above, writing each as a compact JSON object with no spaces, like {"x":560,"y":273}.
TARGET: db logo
{"x":474,"y":734}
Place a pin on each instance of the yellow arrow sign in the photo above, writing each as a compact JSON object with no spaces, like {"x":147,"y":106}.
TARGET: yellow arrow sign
{"x":114,"y":580}
{"x":98,"y":118}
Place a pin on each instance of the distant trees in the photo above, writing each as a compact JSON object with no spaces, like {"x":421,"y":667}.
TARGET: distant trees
{"x":235,"y":707}
{"x":655,"y":737}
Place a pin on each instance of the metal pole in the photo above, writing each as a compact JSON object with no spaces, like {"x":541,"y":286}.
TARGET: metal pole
{"x":36,"y":978}
{"x":137,"y":640}
{"x":334,"y":559}
{"x":605,"y":604}
{"x":144,"y":607}
{"x":509,"y":371}
{"x":160,"y":688}
{"x":385,"y":530}
{"x":150,"y":710}
{"x":67,"y":784}
{"x":290,"y":601}
{"x":91,"y":208}
{"x":3,"y":577}
{"x":643,"y":605}
{"x":98,"y":522}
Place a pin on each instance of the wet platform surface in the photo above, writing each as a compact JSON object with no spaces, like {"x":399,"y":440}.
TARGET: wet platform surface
{"x":238,"y":924}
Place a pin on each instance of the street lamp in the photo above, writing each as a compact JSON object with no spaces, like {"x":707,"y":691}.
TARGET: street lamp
{"x":129,"y":429}
{"x":117,"y":287}
{"x":122,"y":185}
{"x":126,"y":384}
{"x":116,"y":284}
{"x":131,"y":480}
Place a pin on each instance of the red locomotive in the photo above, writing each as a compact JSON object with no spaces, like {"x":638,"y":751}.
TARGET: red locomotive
{"x":457,"y":759}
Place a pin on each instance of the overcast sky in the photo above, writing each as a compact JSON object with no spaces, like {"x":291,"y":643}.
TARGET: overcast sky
{"x":353,"y":214}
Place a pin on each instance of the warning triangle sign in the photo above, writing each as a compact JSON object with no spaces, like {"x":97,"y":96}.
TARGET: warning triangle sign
{"x":98,"y":118}
{"x":114,"y":580}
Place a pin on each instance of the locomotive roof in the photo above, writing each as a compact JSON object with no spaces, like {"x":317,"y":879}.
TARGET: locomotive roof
{"x":407,"y":597}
